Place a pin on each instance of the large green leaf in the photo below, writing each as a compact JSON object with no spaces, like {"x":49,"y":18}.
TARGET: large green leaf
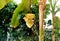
{"x":24,"y":6}
{"x":15,"y":20}
{"x":3,"y":3}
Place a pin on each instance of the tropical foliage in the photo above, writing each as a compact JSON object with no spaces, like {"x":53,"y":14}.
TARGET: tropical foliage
{"x":21,"y":22}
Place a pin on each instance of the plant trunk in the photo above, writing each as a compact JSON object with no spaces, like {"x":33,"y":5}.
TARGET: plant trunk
{"x":41,"y":19}
{"x":53,"y":34}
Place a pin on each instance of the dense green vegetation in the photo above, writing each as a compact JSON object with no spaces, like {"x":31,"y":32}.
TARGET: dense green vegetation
{"x":18,"y":30}
{"x":5,"y":18}
{"x":22,"y":31}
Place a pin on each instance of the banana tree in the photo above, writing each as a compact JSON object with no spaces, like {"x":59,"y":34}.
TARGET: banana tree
{"x":53,"y":10}
{"x":42,"y":4}
{"x":25,"y":6}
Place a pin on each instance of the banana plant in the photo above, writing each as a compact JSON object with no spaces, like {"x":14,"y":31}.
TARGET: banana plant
{"x":42,"y":4}
{"x":24,"y":6}
{"x":53,"y":9}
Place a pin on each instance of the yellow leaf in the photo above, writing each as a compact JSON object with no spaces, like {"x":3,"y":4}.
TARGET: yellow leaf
{"x":29,"y":19}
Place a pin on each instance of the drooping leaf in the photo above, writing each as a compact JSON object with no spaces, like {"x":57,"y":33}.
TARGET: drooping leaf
{"x":24,"y":6}
{"x":15,"y":20}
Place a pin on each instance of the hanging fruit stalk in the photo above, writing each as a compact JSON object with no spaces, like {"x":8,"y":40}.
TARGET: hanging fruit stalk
{"x":41,"y":18}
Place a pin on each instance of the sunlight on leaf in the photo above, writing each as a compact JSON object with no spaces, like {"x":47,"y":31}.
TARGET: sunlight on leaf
{"x":15,"y":20}
{"x":3,"y":3}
